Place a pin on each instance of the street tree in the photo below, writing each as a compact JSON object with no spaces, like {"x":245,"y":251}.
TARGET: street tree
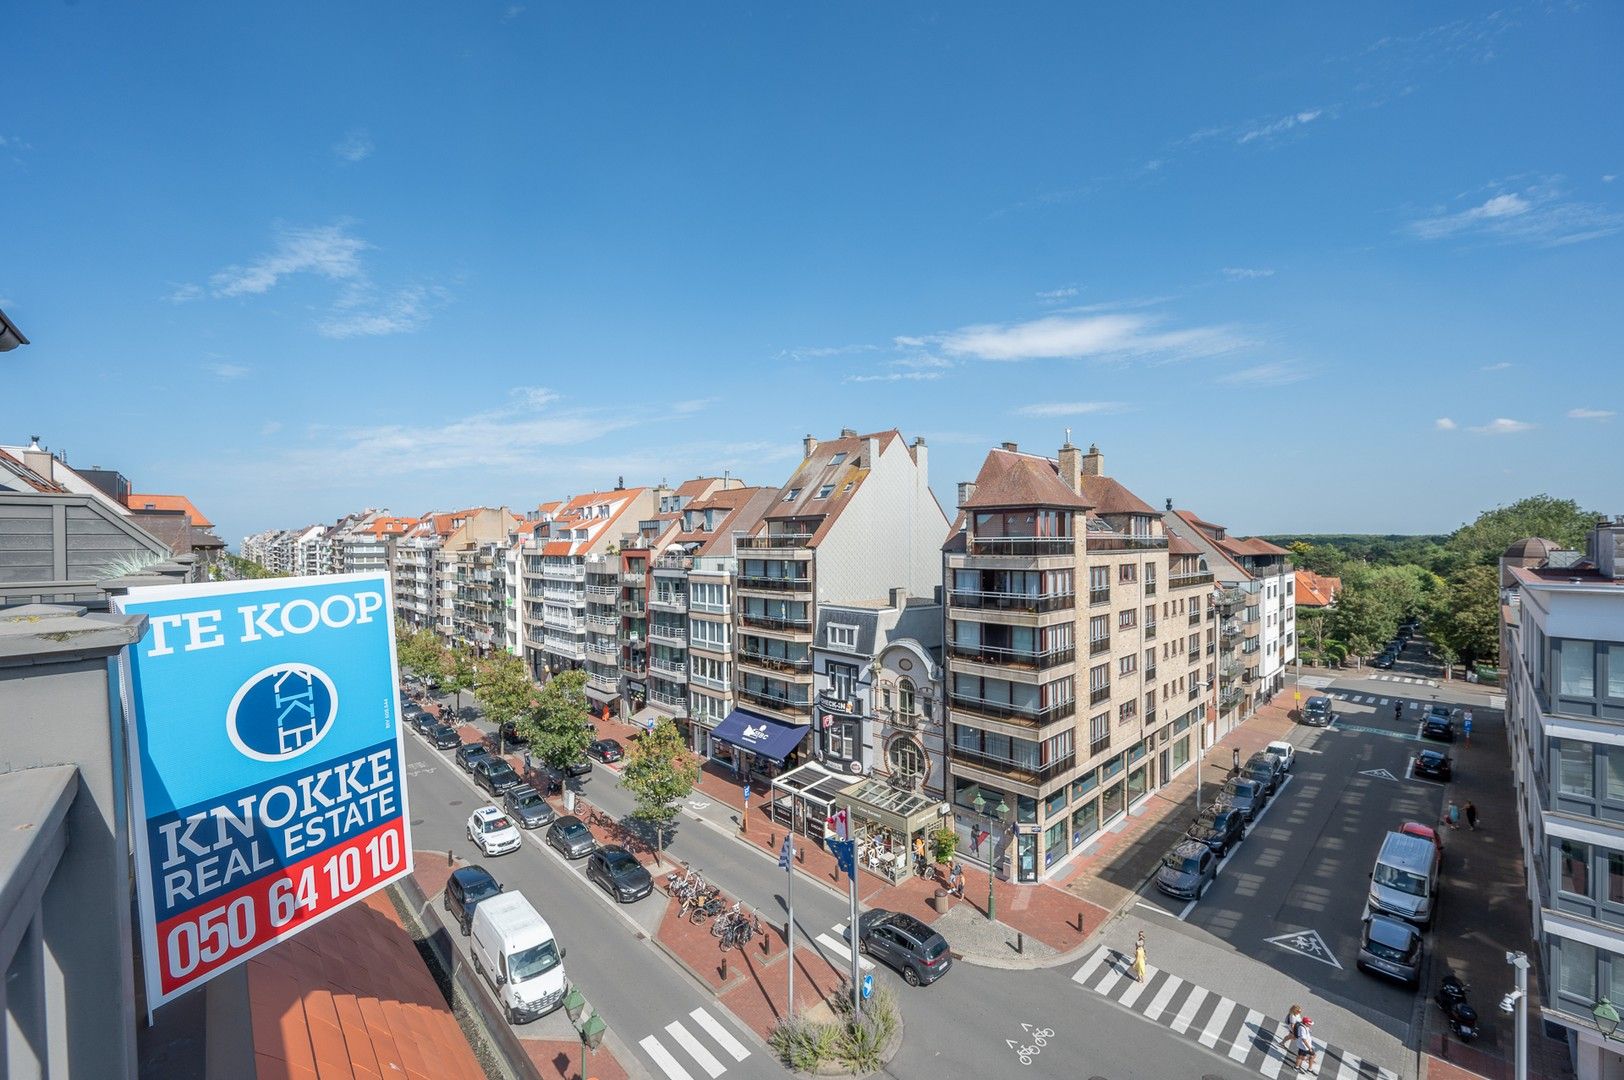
{"x":1560,"y":520}
{"x":1470,"y":614}
{"x":460,"y":673}
{"x":504,"y":690}
{"x":421,"y":651}
{"x":659,"y":772}
{"x":1361,"y":619}
{"x":557,"y":729}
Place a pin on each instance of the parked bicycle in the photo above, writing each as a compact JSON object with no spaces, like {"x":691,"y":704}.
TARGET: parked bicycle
{"x":700,"y":908}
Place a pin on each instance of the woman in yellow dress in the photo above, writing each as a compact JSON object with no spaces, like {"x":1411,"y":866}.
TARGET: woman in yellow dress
{"x":1139,"y":958}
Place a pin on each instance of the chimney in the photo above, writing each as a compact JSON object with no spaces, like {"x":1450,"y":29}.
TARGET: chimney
{"x":936,"y":595}
{"x":1093,"y":462}
{"x":898,"y":598}
{"x":871,"y":452}
{"x":1169,"y":506}
{"x":39,"y":459}
{"x":921,"y":461}
{"x":848,"y":433}
{"x":967,"y":490}
{"x":808,"y":445}
{"x":1012,"y":448}
{"x":1071,"y":467}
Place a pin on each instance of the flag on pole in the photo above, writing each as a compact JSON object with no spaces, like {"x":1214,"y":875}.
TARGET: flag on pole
{"x":845,"y":853}
{"x":786,"y":853}
{"x":838,"y":825}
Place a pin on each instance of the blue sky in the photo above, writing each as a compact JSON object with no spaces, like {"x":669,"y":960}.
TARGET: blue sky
{"x":1299,"y":270}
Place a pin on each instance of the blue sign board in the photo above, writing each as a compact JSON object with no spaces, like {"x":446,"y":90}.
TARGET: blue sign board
{"x":269,"y":793}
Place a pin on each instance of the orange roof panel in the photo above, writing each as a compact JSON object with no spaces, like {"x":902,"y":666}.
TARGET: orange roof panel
{"x":169,"y":502}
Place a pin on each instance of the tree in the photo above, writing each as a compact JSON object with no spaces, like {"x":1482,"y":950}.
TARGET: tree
{"x":557,"y":728}
{"x":460,"y":673}
{"x":420,"y":651}
{"x":1470,"y":614}
{"x":504,"y":691}
{"x":659,"y":772}
{"x":1361,"y":619}
{"x":1311,"y":626}
{"x":1561,"y":520}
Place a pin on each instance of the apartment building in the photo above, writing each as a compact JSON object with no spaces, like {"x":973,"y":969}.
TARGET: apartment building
{"x":424,"y":576}
{"x":521,"y":537}
{"x":1562,"y":648}
{"x":854,"y":520}
{"x":1076,"y":662}
{"x":470,"y":574}
{"x":367,"y":544}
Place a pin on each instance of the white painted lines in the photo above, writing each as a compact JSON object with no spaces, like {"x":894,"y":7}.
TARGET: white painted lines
{"x":1216,"y":1023}
{"x":836,"y":944}
{"x":693,"y":1048}
{"x":1245,"y":1039}
{"x":1158,"y":1003}
{"x":1192,"y":1005}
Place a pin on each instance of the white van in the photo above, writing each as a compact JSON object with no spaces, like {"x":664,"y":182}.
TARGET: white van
{"x":1405,"y":880}
{"x":514,"y":950}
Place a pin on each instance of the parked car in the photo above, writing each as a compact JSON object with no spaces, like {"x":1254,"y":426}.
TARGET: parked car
{"x":619,"y":873}
{"x":1220,"y":827}
{"x":605,"y":750}
{"x":570,"y":837}
{"x":510,"y":733}
{"x":527,"y":806}
{"x":495,"y":775}
{"x":1439,"y":724}
{"x":1283,"y":750}
{"x":1384,"y":661}
{"x":1187,"y":870}
{"x":1247,"y":796}
{"x":1391,"y":947}
{"x":466,"y":887}
{"x":1317,"y":711}
{"x":493,"y":831}
{"x":579,"y":768}
{"x":1426,"y":832}
{"x":1266,"y":769}
{"x":444,"y":738}
{"x":1434,"y":765}
{"x":468,"y":753}
{"x":907,"y":945}
{"x":420,"y":720}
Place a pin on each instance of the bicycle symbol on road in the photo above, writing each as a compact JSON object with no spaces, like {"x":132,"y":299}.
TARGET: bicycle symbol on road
{"x":1026,"y":1052}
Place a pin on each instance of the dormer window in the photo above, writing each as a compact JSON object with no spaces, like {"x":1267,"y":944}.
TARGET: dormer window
{"x":825,"y":491}
{"x":792,"y":494}
{"x":838,"y":458}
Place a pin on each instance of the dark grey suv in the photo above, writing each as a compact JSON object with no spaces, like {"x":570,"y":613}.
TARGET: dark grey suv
{"x":494,"y":775}
{"x":1318,"y":712}
{"x":570,"y":837}
{"x":1247,"y":796}
{"x":467,"y":886}
{"x":1266,"y":769}
{"x":1220,"y":827}
{"x":1187,"y":870}
{"x":527,"y":807}
{"x":919,"y":953}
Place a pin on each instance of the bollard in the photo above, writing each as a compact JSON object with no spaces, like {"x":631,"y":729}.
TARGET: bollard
{"x":1020,"y":942}
{"x":724,"y":967}
{"x":1079,"y":920}
{"x":800,"y":854}
{"x":449,"y":860}
{"x":772,"y":841}
{"x":766,"y":944}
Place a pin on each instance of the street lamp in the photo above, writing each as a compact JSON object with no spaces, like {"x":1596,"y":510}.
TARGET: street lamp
{"x":574,"y":1005}
{"x":1201,"y":743}
{"x":1520,"y":962}
{"x":992,"y":872}
{"x":1606,"y":1018}
{"x":592,"y":1033}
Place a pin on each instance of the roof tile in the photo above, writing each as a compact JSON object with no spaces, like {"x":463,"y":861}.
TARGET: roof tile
{"x":1014,"y":479}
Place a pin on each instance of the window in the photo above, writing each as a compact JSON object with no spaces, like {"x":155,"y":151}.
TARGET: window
{"x":842,"y":736}
{"x":1577,"y":971}
{"x":1099,"y":734}
{"x":1099,"y":628}
{"x":905,"y":697}
{"x":1615,"y":878}
{"x":825,"y":491}
{"x":792,"y":494}
{"x":1055,"y":842}
{"x":1575,"y":775}
{"x":1615,"y":671}
{"x":1573,"y":867}
{"x":1150,"y":573}
{"x":907,"y":761}
{"x":838,"y":458}
{"x":1126,"y":619}
{"x":1054,"y":803}
{"x":1127,"y":711}
{"x":1577,"y":675}
{"x":842,"y":637}
{"x":842,"y":680}
{"x":1125,"y":572}
{"x":1127,"y":664}
{"x":1614,"y":778}
{"x":1099,"y":677}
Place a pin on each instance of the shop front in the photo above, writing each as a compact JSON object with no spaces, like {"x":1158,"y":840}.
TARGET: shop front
{"x":804,"y":798}
{"x":605,"y":704}
{"x":997,"y":827}
{"x":755,"y":745}
{"x":887,"y":821}
{"x":646,"y":717}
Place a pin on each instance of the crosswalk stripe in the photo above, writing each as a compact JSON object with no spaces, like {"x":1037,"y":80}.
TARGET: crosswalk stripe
{"x":662,"y":1057}
{"x":1165,"y":995}
{"x":715,"y":1030}
{"x":1090,"y":965}
{"x":1247,"y":1034}
{"x":840,"y":950}
{"x":1192,"y":1005}
{"x":1386,"y":1074}
{"x":1216,"y":1023}
{"x":1115,"y":970}
{"x":1348,"y":1068}
{"x":1271,"y":1060}
{"x":696,"y":1049}
{"x":1133,"y":992}
{"x":1384,"y":701}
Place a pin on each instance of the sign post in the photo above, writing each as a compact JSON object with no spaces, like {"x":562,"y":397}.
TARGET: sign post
{"x":268,"y":790}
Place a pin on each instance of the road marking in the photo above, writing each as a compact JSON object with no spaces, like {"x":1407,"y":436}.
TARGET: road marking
{"x":1384,"y":701}
{"x":1348,"y":1068}
{"x":1380,"y":731}
{"x":714,"y":1028}
{"x":1306,"y":943}
{"x":1133,"y":992}
{"x":1159,"y":1002}
{"x":697,"y":804}
{"x":1379,"y":774}
{"x":662,"y":1057}
{"x":1192,"y":1005}
{"x":840,"y":950}
{"x":1215,"y":1025}
{"x":1118,"y":969}
{"x":1273,"y":1061}
{"x":696,"y":1049}
{"x":1247,"y":1036}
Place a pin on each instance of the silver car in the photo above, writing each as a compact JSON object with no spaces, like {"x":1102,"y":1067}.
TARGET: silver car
{"x":1393,"y":948}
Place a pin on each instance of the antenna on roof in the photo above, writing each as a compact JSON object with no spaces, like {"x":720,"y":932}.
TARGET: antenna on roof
{"x":1169,"y":506}
{"x":1068,"y":436}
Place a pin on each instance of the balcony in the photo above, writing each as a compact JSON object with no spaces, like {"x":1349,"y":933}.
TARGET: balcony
{"x":710,"y":682}
{"x":673,"y":561}
{"x":606,"y":683}
{"x":1099,"y":646}
{"x":1030,"y":603}
{"x":1018,"y":714}
{"x":767,"y":700}
{"x":1099,"y":596}
{"x":1186,"y":581}
{"x":1231,"y":598}
{"x":634,"y":578}
{"x":1021,"y":772}
{"x":767,"y":583}
{"x":775,"y":663}
{"x":608,"y":624}
{"x":1229,"y":632}
{"x":1100,"y":745}
{"x":781,"y":625}
{"x":1023,"y":547}
{"x":1230,"y":697}
{"x":1099,"y":694}
{"x":563,"y":573}
{"x":667,"y":632}
{"x":669,"y":601}
{"x":992,"y":654}
{"x":673,"y":700}
{"x":631,"y":608}
{"x":792,"y":542}
{"x":673,"y":669}
{"x":606,"y":594}
{"x":602,"y":648}
{"x":1108,"y":542}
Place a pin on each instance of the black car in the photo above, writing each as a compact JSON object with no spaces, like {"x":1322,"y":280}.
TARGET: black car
{"x":494,"y":775}
{"x":1247,"y":796}
{"x":1318,"y":712}
{"x":1266,"y":769}
{"x":526,"y":806}
{"x":510,"y":733}
{"x":1187,"y":870}
{"x":1384,"y":661}
{"x":918,"y":953}
{"x":1434,"y":765}
{"x":445,"y":737}
{"x":570,"y":837}
{"x":468,"y":753}
{"x":605,"y":750}
{"x":1439,"y":724}
{"x":422,"y":722}
{"x":620,"y":874}
{"x":1219,"y":827}
{"x":1391,"y":947}
{"x":467,"y":886}
{"x":579,"y":768}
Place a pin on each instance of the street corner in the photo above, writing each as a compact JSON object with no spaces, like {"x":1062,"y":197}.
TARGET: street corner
{"x":761,"y":999}
{"x":432,"y":869}
{"x":560,"y":1059}
{"x":701,"y":952}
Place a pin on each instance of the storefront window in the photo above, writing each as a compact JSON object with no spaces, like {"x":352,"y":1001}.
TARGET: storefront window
{"x":1112,"y":802}
{"x":1054,"y":805}
{"x":1085,"y":821}
{"x":1026,"y":810}
{"x":1055,"y":843}
{"x":1028,"y":857}
{"x":1136,"y":783}
{"x":1181,"y":752}
{"x":1082,"y":787}
{"x":1573,"y":861}
{"x":1111,"y":768}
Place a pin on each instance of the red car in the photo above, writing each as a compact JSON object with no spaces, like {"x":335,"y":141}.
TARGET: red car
{"x":1426,"y":832}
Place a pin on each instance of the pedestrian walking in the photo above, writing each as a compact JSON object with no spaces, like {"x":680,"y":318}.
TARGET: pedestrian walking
{"x":1466,"y":727}
{"x":921,"y":864}
{"x":1305,"y":1046}
{"x":1139,"y":958}
{"x":955,"y":880}
{"x":1294,"y":1016}
{"x":527,"y":764}
{"x":1471,"y":815}
{"x":1452,"y":815}
{"x":1398,"y":711}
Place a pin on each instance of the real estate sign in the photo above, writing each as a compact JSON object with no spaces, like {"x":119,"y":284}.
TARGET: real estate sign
{"x":264,"y":722}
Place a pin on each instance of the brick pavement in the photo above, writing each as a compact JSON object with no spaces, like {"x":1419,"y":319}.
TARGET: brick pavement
{"x":561,"y":1059}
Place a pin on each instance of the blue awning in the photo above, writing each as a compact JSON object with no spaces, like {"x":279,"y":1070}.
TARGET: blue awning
{"x":760,"y":734}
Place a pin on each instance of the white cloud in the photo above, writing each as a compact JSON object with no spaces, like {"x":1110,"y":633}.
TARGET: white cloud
{"x":328,"y":251}
{"x":1609,"y":178}
{"x":406,"y":311}
{"x":895,"y":376}
{"x":224,"y":369}
{"x":1590,"y":414}
{"x":1074,"y":336}
{"x":1274,"y":373}
{"x":1539,"y":213}
{"x":270,"y":427}
{"x":1280,"y":126}
{"x":511,"y":12}
{"x":183,"y":294}
{"x":821,"y":352}
{"x":1503,"y":365}
{"x":691,"y":406}
{"x":1058,"y":294}
{"x":1071,"y":408}
{"x":354,"y":147}
{"x":1503,"y":426}
{"x":1444,"y":423}
{"x":1246,"y":273}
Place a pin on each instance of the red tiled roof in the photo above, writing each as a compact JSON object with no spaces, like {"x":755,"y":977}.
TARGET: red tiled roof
{"x":390,"y":526}
{"x":1177,"y":545}
{"x":350,"y":997}
{"x":1110,"y":497}
{"x":33,"y":479}
{"x":1315,"y":590}
{"x":168,"y":502}
{"x":1010,"y":478}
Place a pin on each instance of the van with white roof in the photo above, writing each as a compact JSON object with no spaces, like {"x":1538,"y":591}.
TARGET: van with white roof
{"x":515,"y":952}
{"x":1404,"y":882}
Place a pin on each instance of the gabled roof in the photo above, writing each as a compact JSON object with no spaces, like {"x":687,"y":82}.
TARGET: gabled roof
{"x":745,"y":508}
{"x":1010,"y":478}
{"x":28,"y":476}
{"x":1110,"y":497}
{"x":168,"y":502}
{"x":574,"y":515}
{"x":840,"y":465}
{"x":1315,"y":590}
{"x":1177,"y":545}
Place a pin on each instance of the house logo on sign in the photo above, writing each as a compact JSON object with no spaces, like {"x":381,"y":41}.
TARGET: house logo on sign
{"x":752,"y":734}
{"x":282,"y":712}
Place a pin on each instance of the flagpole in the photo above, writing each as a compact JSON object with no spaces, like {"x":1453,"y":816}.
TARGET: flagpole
{"x":856,"y":994}
{"x":789,"y":896}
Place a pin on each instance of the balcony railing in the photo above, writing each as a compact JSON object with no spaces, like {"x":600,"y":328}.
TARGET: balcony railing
{"x":679,"y":701}
{"x":1021,"y":772}
{"x":674,"y":668}
{"x":1003,"y":710}
{"x":770,"y":622}
{"x":1231,"y":598}
{"x":1185,"y":581}
{"x":665,"y":632}
{"x":609,"y":624}
{"x":675,"y":601}
{"x":1230,"y":697}
{"x":674,"y":562}
{"x":767,"y":583}
{"x":564,"y":573}
{"x":773,"y":542}
{"x":1230,"y":631}
{"x":603,"y":648}
{"x":1003,"y":601}
{"x":1195,"y":692}
{"x":775,"y":663}
{"x":772,"y":701}
{"x":1100,"y":745}
{"x":1099,"y":596}
{"x":992,"y":654}
{"x":1107,"y":542}
{"x":1024,"y":547}
{"x":634,"y":608}
{"x":606,"y":593}
{"x":1098,"y":646}
{"x":710,"y":682}
{"x":634,"y":577}
{"x":1099,"y":694}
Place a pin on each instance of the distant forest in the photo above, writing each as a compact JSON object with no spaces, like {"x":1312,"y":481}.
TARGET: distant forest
{"x":1390,"y":550}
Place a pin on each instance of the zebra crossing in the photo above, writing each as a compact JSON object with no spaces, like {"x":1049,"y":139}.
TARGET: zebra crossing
{"x":693,"y":1048}
{"x":1244,"y":1035}
{"x":834,"y":943}
{"x":1353,"y":697}
{"x":1404,"y":679}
